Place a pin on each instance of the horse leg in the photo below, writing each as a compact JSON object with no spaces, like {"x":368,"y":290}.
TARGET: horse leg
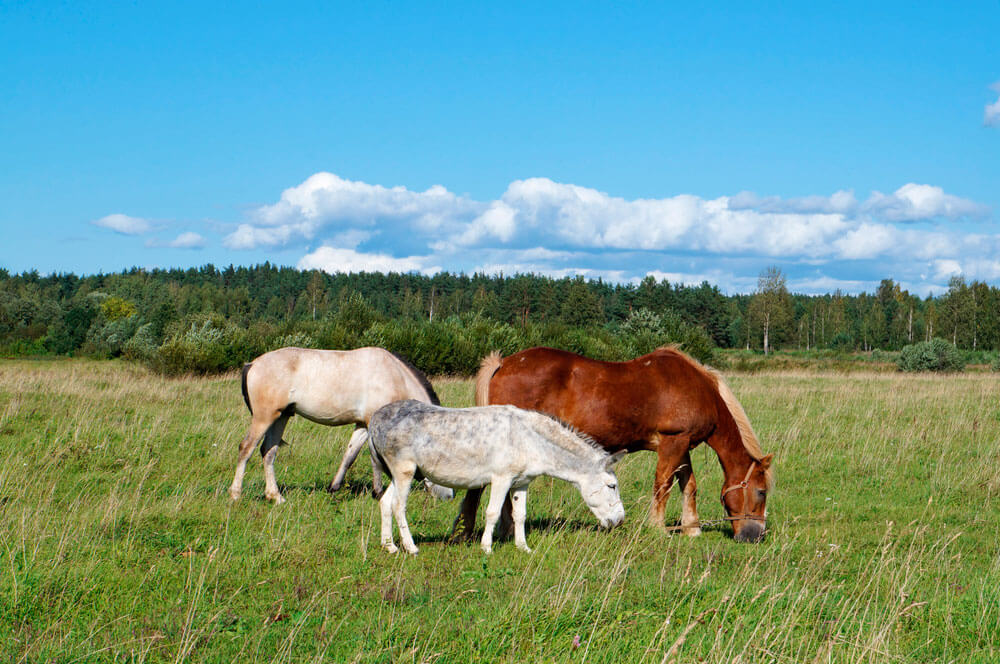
{"x":466,"y":517}
{"x":519,"y":500}
{"x":354,"y":446}
{"x":402,"y":482}
{"x":258,"y":428}
{"x":506,"y":529}
{"x":378,"y":489}
{"x":670,"y":453}
{"x":498,"y":493}
{"x":385,"y":507}
{"x":689,"y":511}
{"x":269,"y":448}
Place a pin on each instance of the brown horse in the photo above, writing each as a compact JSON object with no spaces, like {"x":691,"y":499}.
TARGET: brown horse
{"x":664,"y":402}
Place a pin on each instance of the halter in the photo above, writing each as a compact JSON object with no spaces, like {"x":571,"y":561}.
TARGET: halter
{"x":742,"y":485}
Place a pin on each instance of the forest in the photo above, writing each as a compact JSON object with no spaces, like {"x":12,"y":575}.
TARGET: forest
{"x":207,"y":319}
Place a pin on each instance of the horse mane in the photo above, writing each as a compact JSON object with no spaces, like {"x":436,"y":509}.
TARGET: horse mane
{"x":750,"y":441}
{"x":581,"y":438}
{"x":421,"y":378}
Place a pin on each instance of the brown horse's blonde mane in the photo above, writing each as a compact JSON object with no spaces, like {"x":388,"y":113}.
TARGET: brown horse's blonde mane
{"x":747,"y":435}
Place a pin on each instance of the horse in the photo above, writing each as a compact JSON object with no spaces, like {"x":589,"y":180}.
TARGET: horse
{"x":665,"y":402}
{"x":502,"y":446}
{"x":331,"y":387}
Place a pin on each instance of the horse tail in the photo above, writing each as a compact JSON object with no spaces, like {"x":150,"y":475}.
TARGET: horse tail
{"x":246,"y":395}
{"x":487,"y":368}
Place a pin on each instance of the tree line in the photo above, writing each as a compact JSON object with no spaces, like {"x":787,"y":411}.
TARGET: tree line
{"x":208,"y":318}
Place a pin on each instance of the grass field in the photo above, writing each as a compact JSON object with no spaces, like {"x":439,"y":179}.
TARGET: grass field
{"x":118,"y":541}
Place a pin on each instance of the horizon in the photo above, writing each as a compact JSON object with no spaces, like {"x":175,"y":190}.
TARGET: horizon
{"x":686,"y":144}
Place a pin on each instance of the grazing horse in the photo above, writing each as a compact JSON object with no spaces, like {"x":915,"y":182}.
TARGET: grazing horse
{"x":331,"y":387}
{"x":665,"y":402}
{"x":502,"y":446}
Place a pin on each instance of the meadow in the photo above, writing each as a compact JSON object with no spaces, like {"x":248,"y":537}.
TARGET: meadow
{"x":119,"y":543}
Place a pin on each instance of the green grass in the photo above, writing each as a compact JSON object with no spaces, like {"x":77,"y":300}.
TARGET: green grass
{"x":118,"y":541}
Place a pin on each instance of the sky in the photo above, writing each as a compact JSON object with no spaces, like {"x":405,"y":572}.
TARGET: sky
{"x":843,"y":145}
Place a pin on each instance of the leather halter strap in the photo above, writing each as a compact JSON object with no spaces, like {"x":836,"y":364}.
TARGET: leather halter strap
{"x":745,"y":484}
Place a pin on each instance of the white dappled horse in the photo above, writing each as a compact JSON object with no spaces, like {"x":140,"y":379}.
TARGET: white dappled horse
{"x":502,"y":446}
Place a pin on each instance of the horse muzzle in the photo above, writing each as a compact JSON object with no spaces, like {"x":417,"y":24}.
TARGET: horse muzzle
{"x":751,"y":531}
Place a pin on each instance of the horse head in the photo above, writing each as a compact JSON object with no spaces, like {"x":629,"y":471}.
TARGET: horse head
{"x":746,"y":501}
{"x":600,"y":492}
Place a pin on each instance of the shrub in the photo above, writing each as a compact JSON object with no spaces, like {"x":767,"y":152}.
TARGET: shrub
{"x":644,"y":331}
{"x":934,"y":355}
{"x":995,"y":364}
{"x":109,"y":340}
{"x":142,"y":346}
{"x":296,"y":339}
{"x":201,"y":349}
{"x":843,"y":342}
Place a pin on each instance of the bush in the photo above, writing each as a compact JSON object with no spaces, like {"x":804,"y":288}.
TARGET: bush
{"x":934,"y":355}
{"x":201,"y":349}
{"x":842,"y":342}
{"x":644,"y":331}
{"x":142,"y":346}
{"x":296,"y":339}
{"x":109,"y":339}
{"x":995,"y":364}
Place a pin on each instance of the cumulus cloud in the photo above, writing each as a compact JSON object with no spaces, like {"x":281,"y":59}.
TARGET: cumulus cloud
{"x":991,"y":114}
{"x":189,"y":240}
{"x":914,"y":202}
{"x":336,"y":259}
{"x":841,"y":202}
{"x":124,"y":224}
{"x":326,"y":201}
{"x":547,"y":227}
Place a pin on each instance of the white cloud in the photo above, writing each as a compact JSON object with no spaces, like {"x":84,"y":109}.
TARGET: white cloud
{"x":124,"y":224}
{"x":913,"y":202}
{"x":546,"y":227}
{"x":991,"y":114}
{"x":840,"y":202}
{"x":187,"y":240}
{"x":334,"y":259}
{"x":325,"y":200}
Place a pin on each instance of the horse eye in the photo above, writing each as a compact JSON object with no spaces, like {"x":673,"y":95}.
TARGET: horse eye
{"x":612,"y":486}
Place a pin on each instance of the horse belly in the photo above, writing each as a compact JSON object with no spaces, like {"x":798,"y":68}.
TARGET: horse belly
{"x":463,"y":466}
{"x":331,"y":412}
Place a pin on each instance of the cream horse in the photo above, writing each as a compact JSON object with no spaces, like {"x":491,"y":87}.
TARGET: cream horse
{"x":331,"y":387}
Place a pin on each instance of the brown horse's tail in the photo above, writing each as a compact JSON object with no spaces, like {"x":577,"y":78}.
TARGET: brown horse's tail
{"x":246,"y":395}
{"x":487,"y":368}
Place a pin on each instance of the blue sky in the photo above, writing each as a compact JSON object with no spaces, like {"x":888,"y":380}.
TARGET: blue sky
{"x":843,"y":144}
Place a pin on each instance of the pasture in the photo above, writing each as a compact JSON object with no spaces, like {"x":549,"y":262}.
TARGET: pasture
{"x":119,"y":542}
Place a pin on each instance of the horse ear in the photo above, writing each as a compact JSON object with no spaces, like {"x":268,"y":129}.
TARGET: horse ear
{"x":765,"y":463}
{"x":615,"y":458}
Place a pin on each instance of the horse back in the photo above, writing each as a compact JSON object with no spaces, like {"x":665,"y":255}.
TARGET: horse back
{"x":331,"y":386}
{"x":622,"y":405}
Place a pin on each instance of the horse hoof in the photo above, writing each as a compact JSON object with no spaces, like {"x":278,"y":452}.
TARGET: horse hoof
{"x":525,"y":548}
{"x":277,"y":500}
{"x":413,"y":551}
{"x":693,"y":532}
{"x":235,"y":495}
{"x":334,"y":486}
{"x":487,"y":550}
{"x":390,"y":548}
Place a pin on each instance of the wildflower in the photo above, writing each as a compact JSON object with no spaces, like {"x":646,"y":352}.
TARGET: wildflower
{"x":576,"y":642}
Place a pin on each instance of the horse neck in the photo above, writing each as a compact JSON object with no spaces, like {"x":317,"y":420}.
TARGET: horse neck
{"x":733,"y":456}
{"x":556,"y":461}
